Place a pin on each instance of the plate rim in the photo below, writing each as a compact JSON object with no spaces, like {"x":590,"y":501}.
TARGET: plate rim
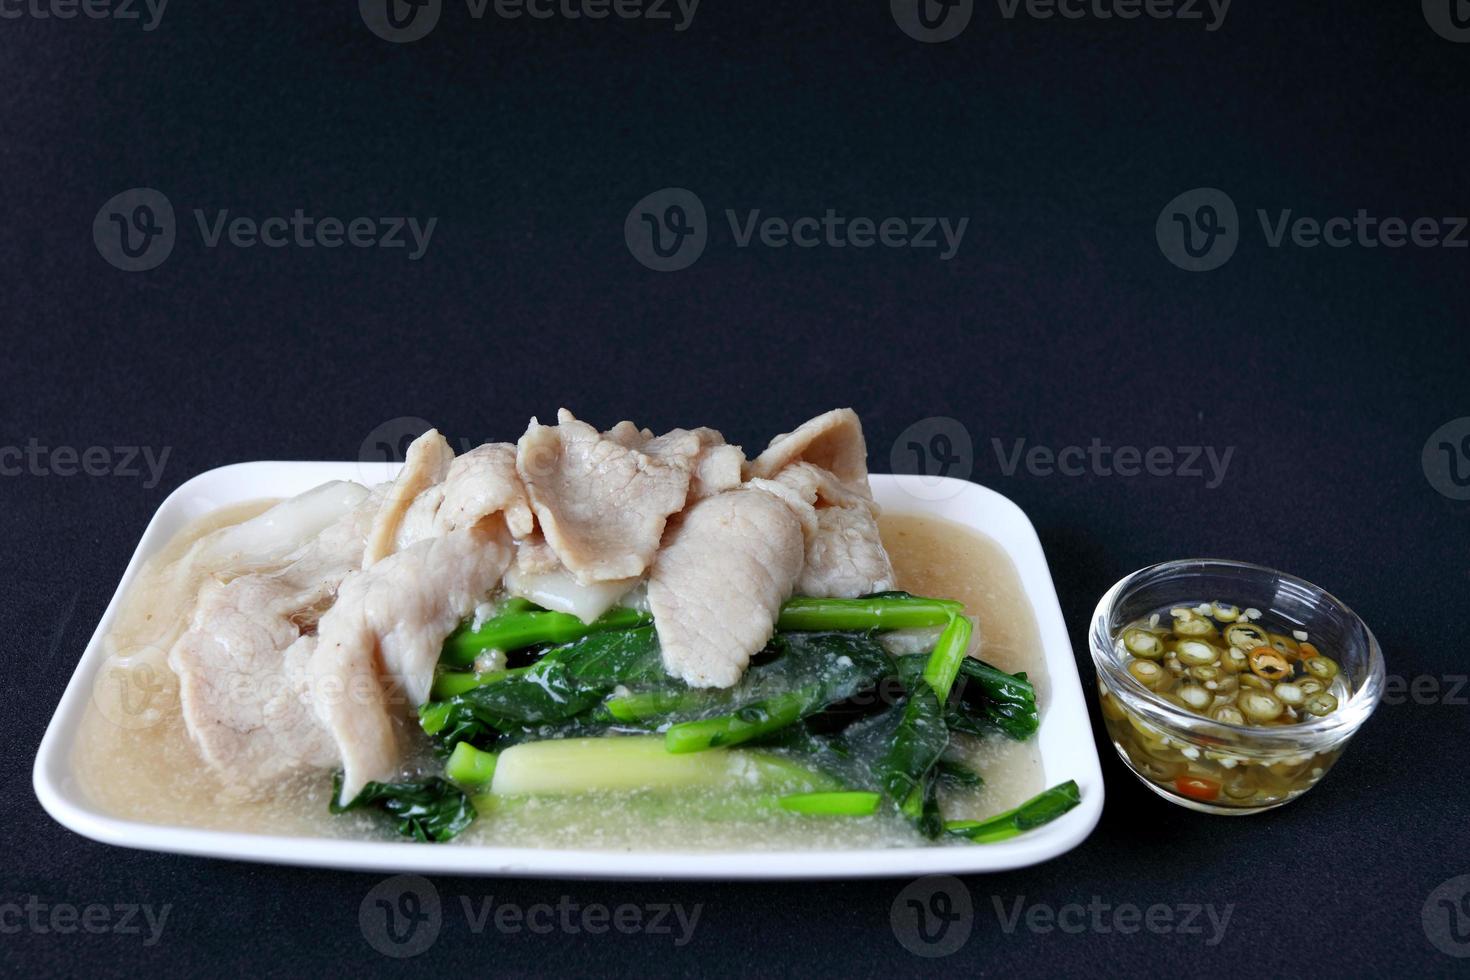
{"x":937,"y":496}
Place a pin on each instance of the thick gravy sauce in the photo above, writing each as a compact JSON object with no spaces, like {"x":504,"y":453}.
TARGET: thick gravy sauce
{"x":134,"y":758}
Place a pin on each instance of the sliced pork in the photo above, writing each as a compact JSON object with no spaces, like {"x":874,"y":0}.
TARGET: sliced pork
{"x":601,"y":505}
{"x":374,"y":654}
{"x":719,"y":582}
{"x":832,"y":441}
{"x":244,"y":700}
{"x":316,"y":626}
{"x":425,"y":464}
{"x":482,"y":482}
{"x":823,"y":465}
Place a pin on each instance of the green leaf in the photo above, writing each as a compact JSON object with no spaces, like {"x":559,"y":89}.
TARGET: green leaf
{"x":917,"y":744}
{"x":431,"y":810}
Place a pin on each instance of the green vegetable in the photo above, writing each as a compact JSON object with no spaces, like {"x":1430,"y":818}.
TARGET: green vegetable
{"x":948,"y":654}
{"x":518,"y":627}
{"x":992,"y":700}
{"x":850,"y":804}
{"x":584,"y":716}
{"x":919,"y":741}
{"x":658,"y":702}
{"x":468,"y":766}
{"x":429,"y":810}
{"x":634,"y":763}
{"x":812,"y":672}
{"x":448,"y":683}
{"x":565,"y":682}
{"x":954,"y":774}
{"x":1040,"y":809}
{"x":881,"y":611}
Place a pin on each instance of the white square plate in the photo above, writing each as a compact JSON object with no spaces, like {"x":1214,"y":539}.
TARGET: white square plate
{"x":1065,"y":738}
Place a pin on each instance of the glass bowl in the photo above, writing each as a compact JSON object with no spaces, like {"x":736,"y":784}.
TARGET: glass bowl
{"x":1213,"y":766}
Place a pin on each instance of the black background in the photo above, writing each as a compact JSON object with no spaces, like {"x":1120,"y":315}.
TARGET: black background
{"x":1058,"y":321}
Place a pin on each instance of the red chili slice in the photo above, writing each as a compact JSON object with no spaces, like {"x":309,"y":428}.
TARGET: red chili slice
{"x":1197,"y":789}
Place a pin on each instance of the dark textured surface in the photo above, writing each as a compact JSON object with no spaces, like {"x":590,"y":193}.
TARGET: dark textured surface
{"x":1058,"y":322}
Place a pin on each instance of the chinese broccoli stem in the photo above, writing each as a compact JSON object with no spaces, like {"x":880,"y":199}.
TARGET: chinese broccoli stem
{"x":839,"y":804}
{"x":742,"y":725}
{"x":470,"y":767}
{"x":448,"y":683}
{"x":520,"y":628}
{"x":949,"y":652}
{"x":1040,"y":809}
{"x":639,"y":763}
{"x":886,"y":611}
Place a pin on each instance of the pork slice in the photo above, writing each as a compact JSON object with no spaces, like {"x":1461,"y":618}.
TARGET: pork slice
{"x":482,"y":482}
{"x":628,"y":435}
{"x":845,"y":557}
{"x":719,"y":466}
{"x":244,"y":700}
{"x":264,"y":543}
{"x":420,"y":519}
{"x":374,"y":654}
{"x":718,"y":583}
{"x":425,"y":464}
{"x":832,"y":441}
{"x":601,"y":505}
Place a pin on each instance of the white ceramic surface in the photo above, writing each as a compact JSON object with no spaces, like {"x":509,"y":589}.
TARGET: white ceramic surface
{"x":1065,"y":738}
